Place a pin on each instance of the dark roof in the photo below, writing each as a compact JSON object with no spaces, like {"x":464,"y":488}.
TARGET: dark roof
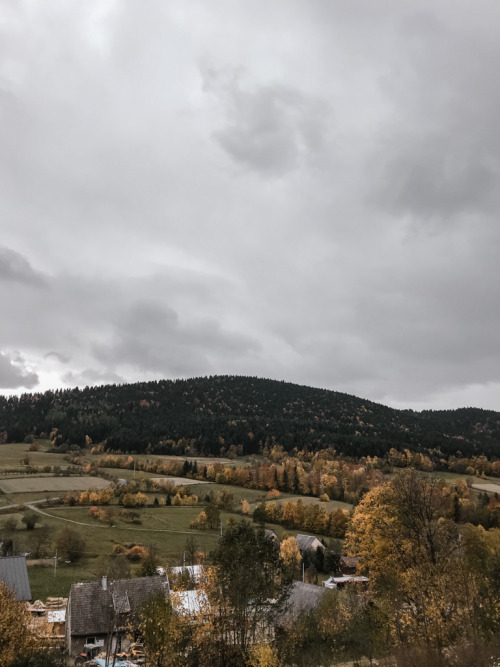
{"x":92,"y":607}
{"x":271,"y":534}
{"x":306,"y":542}
{"x":14,"y":573}
{"x":302,"y":598}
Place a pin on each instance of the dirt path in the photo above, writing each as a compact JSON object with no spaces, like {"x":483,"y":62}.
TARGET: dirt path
{"x":29,"y":504}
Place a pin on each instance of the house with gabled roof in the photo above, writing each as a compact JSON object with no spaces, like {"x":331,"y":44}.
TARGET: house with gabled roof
{"x":14,"y":574}
{"x":106,"y":611}
{"x":307,"y":542}
{"x":272,"y":535}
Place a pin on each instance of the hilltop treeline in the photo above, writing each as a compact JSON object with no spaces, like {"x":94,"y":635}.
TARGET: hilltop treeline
{"x":230,"y":416}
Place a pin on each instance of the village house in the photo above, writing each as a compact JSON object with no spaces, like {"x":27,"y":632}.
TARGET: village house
{"x":100,"y":611}
{"x":308,"y":542}
{"x":349,"y":564}
{"x":272,"y":535}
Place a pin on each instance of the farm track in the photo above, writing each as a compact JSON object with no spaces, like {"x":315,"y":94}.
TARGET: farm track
{"x":96,"y":525}
{"x":31,"y":502}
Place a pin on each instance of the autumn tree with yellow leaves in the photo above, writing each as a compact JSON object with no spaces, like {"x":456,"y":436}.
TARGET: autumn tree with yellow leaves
{"x":425,"y":572}
{"x":291,"y":557}
{"x":20,"y":644}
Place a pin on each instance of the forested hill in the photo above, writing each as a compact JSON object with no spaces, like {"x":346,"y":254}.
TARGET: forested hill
{"x":226,"y":414}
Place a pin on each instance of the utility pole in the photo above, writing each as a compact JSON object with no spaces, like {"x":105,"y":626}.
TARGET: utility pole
{"x":55,"y":564}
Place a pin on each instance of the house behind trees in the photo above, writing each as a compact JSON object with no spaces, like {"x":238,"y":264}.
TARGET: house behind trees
{"x":100,"y":611}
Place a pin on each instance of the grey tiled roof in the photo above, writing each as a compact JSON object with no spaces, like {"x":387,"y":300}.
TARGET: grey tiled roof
{"x":14,"y":573}
{"x":303,"y":598}
{"x":92,"y":607}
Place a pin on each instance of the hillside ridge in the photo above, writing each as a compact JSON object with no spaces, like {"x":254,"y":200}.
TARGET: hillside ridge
{"x":211,"y":415}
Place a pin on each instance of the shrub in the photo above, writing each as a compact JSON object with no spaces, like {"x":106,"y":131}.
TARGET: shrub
{"x":29,"y":519}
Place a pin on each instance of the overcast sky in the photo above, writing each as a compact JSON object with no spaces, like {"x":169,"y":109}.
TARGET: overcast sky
{"x":304,"y":190}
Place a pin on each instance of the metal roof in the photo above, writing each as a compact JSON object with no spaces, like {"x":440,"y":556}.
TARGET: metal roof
{"x":14,"y":573}
{"x":58,"y":616}
{"x":193,"y":571}
{"x":190,"y":602}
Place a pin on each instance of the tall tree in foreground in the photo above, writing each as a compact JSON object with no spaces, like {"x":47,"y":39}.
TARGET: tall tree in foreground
{"x":245,"y":590}
{"x":424,"y":575}
{"x":162,"y":632}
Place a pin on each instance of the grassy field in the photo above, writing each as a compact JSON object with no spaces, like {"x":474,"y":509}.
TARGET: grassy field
{"x":32,"y":484}
{"x":125,"y":473}
{"x":307,"y":500}
{"x":21,"y":498}
{"x":201,"y":460}
{"x":164,"y":528}
{"x":239,"y":493}
{"x":12,"y":453}
{"x":44,"y":584}
{"x":256,"y":496}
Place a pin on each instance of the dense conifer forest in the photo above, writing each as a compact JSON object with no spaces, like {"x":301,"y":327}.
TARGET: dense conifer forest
{"x":231,"y":415}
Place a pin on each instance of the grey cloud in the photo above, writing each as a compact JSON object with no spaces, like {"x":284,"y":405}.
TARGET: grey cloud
{"x":150,"y":337}
{"x":431,"y":177}
{"x":271,"y":129}
{"x":62,"y":358}
{"x":14,"y":374}
{"x":90,"y":377}
{"x":16,"y":268}
{"x":440,"y":154}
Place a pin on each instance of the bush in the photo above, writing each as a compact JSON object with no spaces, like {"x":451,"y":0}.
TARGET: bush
{"x":136,"y":553}
{"x":71,"y":544}
{"x":9,"y":525}
{"x":29,"y":519}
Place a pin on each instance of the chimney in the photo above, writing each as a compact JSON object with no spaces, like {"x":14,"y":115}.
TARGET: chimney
{"x":104,"y":583}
